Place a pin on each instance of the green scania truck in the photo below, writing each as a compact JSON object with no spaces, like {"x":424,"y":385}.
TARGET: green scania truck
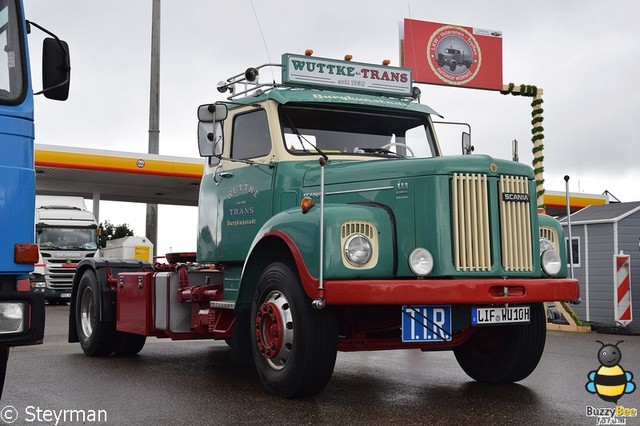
{"x":330,"y":220}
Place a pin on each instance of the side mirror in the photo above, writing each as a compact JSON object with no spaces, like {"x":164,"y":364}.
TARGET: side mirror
{"x":212,"y":112}
{"x":210,"y":119}
{"x":102,"y":239}
{"x":56,"y":69}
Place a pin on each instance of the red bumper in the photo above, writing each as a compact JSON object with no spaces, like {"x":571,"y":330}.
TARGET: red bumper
{"x":450,"y":291}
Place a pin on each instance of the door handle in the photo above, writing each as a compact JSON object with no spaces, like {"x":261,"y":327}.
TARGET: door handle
{"x":225,"y":174}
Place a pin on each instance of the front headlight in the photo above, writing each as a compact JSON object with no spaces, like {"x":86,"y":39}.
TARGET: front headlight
{"x":421,"y":261}
{"x":12,"y":317}
{"x":549,"y":258}
{"x":357,"y":250}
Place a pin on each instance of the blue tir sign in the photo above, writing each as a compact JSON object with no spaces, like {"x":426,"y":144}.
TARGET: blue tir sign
{"x":345,"y":75}
{"x":426,"y":323}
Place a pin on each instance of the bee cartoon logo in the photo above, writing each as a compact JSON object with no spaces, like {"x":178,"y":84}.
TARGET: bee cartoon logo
{"x":610,"y":381}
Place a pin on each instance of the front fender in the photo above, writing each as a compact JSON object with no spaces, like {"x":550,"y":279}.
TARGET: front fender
{"x":295,"y":236}
{"x":549,"y":224}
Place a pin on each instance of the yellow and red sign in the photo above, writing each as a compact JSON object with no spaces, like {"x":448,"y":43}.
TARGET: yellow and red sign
{"x":453,"y":55}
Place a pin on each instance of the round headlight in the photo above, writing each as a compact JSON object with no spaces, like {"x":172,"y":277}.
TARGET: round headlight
{"x":357,"y":250}
{"x":421,"y":261}
{"x":545,"y":245}
{"x":551,"y":262}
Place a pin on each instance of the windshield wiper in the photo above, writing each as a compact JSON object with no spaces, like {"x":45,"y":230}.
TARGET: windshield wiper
{"x":377,"y":151}
{"x":301,"y":138}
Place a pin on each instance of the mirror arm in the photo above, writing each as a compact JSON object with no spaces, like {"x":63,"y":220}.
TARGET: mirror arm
{"x":67,"y":68}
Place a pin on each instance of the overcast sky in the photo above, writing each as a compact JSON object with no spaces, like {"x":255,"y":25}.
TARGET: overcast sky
{"x":584,"y":54}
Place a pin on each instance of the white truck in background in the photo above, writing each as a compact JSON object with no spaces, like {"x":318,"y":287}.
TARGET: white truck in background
{"x":66,"y":233}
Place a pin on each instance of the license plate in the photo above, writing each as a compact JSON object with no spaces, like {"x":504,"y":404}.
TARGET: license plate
{"x":500,"y":315}
{"x":65,"y":295}
{"x":424,"y":323}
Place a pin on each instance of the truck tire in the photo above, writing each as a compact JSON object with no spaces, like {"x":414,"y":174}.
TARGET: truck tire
{"x":504,"y":354}
{"x":294,"y":346}
{"x":96,"y":338}
{"x":128,"y":344}
{"x":452,"y":66}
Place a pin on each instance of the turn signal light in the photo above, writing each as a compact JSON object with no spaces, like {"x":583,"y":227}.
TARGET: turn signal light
{"x":306,"y":204}
{"x":25,"y":253}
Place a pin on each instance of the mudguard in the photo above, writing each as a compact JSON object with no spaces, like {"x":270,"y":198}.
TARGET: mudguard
{"x":102,"y":268}
{"x":294,"y":236}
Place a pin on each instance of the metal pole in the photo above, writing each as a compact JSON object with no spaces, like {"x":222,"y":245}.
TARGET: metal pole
{"x":154,"y":117}
{"x":566,"y":179}
{"x":319,"y":303}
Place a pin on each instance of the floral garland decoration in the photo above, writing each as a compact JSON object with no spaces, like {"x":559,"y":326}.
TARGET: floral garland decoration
{"x":537,"y":131}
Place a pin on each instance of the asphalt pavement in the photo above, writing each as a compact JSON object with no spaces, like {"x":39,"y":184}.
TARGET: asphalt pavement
{"x":196,"y":383}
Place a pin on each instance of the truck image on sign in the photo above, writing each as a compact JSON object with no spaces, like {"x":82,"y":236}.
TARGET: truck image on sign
{"x":329,"y":220}
{"x":454,"y":57}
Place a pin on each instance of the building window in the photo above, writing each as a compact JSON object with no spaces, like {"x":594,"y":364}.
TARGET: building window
{"x":575,"y":245}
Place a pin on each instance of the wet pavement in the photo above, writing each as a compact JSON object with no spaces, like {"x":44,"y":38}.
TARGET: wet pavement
{"x":196,"y":383}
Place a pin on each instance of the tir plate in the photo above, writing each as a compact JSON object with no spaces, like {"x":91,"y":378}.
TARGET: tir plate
{"x":500,"y":315}
{"x":426,"y":323}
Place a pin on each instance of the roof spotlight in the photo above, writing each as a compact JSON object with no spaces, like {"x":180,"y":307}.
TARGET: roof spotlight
{"x":251,"y":74}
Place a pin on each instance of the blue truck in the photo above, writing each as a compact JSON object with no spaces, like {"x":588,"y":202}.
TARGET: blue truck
{"x":22,"y":314}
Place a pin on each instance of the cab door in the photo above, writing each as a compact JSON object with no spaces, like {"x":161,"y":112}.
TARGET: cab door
{"x":240,"y":188}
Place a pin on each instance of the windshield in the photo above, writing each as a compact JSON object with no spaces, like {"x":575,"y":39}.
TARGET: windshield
{"x":67,"y":238}
{"x":11,"y":60}
{"x":355,"y":132}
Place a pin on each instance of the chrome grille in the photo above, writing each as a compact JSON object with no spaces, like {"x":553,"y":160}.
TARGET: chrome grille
{"x":470,"y":206}
{"x":515,"y":224}
{"x":59,"y":274}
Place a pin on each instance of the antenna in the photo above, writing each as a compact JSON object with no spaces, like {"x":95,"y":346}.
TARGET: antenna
{"x":264,"y":41}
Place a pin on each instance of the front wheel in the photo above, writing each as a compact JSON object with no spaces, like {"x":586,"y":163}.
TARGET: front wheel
{"x":504,"y":354}
{"x":96,"y":337}
{"x":294,"y":346}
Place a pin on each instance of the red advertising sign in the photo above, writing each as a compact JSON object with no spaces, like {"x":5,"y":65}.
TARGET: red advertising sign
{"x":453,"y":55}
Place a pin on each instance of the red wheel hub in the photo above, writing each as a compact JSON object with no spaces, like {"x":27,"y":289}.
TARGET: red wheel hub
{"x":269,"y":330}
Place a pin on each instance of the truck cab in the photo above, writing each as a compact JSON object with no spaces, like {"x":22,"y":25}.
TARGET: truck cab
{"x":22,"y":313}
{"x":66,"y":233}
